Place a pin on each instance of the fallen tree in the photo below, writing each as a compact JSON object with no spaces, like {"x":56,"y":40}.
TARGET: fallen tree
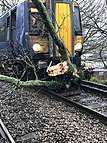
{"x":62,"y":50}
{"x":31,"y":83}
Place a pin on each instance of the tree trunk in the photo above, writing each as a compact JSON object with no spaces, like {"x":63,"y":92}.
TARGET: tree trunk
{"x":17,"y":82}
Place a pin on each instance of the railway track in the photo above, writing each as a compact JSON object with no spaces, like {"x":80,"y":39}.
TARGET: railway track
{"x":5,"y":136}
{"x":94,"y":86}
{"x":90,"y":98}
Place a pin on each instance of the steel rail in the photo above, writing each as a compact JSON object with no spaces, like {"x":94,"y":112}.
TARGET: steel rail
{"x":5,"y":133}
{"x":94,"y":86}
{"x":82,"y":108}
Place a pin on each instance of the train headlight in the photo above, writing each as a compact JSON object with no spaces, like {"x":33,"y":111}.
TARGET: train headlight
{"x":37,"y":48}
{"x":78,"y":47}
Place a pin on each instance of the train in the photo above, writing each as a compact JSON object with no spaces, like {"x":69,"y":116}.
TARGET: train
{"x":23,"y":32}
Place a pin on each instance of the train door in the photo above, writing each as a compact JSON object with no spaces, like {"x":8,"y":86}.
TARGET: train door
{"x":64,"y":23}
{"x":13,"y":26}
{"x":8,"y":28}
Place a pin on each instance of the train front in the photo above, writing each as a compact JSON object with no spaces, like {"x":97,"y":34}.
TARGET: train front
{"x":65,"y":16}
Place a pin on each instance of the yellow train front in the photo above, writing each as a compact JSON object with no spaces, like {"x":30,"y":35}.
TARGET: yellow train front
{"x":25,"y":28}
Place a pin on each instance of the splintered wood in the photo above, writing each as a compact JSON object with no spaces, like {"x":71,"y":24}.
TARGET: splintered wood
{"x":58,"y":69}
{"x":75,"y":73}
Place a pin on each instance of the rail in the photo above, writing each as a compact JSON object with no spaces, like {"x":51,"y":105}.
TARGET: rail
{"x":94,"y":86}
{"x":87,"y":102}
{"x":5,"y":136}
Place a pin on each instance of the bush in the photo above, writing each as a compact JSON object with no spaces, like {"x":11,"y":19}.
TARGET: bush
{"x":94,"y":79}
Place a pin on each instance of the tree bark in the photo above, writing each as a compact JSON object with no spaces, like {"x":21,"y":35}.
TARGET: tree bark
{"x":17,"y":82}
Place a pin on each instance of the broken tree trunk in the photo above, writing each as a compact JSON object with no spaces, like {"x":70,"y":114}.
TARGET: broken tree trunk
{"x":59,"y":42}
{"x":17,"y":82}
{"x":58,"y":69}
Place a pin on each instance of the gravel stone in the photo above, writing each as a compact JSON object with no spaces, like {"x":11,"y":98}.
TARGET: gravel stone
{"x":33,"y":117}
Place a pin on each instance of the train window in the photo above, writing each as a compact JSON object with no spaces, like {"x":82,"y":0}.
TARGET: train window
{"x":13,"y":20}
{"x":13,"y":25}
{"x":36,"y":25}
{"x":3,"y":33}
{"x":77,"y":22}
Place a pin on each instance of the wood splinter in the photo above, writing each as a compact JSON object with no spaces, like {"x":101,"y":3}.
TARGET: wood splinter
{"x":58,"y":69}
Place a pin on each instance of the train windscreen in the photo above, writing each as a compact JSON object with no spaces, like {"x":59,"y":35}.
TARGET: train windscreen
{"x":39,"y":36}
{"x":77,"y":21}
{"x":35,"y":23}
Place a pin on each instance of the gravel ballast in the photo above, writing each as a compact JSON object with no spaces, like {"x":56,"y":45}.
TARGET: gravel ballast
{"x":32,"y":117}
